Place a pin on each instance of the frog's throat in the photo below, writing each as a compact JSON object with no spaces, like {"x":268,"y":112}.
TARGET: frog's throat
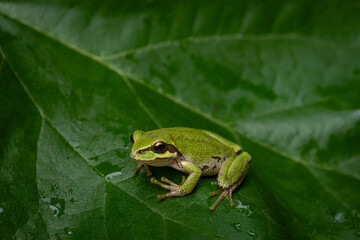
{"x":158,"y":162}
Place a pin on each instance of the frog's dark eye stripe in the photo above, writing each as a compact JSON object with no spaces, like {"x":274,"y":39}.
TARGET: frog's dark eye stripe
{"x":132,"y":138}
{"x":159,"y":147}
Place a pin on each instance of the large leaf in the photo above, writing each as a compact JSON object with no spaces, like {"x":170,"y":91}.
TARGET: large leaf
{"x":78,"y":77}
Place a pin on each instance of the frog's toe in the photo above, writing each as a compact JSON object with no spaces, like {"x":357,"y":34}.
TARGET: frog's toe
{"x":147,"y":169}
{"x":164,"y":179}
{"x":221,"y":197}
{"x":229,"y":197}
{"x":175,"y":192}
{"x":162,"y":196}
{"x":138,"y":168}
{"x":169,"y":194}
{"x":173,"y":187}
{"x":225,"y":193}
{"x":163,"y":185}
{"x":220,"y":190}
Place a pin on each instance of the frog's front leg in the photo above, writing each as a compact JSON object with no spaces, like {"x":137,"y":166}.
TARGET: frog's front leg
{"x":139,"y":167}
{"x":185,"y":187}
{"x":231,"y":174}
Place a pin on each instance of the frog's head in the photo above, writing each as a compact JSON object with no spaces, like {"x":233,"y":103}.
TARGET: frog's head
{"x":155,"y":148}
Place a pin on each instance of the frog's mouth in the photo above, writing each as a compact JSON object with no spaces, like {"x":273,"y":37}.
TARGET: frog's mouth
{"x":152,"y":159}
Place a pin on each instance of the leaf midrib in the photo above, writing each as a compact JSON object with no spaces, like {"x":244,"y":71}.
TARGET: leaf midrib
{"x":175,"y":100}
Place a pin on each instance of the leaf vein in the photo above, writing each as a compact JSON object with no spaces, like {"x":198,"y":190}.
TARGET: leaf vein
{"x":220,"y":38}
{"x":288,"y":109}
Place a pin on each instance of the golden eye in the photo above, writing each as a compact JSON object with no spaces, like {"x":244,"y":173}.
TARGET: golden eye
{"x":159,"y":147}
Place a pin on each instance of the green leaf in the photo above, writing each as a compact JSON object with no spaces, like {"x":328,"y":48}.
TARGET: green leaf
{"x":78,"y":77}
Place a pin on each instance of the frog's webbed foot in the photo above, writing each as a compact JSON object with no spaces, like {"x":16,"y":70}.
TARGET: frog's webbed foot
{"x":173,"y":187}
{"x":223,"y":193}
{"x":139,"y":167}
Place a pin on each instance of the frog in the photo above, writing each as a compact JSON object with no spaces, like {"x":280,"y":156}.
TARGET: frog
{"x":195,"y":152}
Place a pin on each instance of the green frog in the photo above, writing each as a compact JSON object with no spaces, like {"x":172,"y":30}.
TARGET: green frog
{"x":193,"y":151}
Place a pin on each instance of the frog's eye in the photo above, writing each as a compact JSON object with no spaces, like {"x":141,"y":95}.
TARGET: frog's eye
{"x":159,"y":147}
{"x":132,"y":138}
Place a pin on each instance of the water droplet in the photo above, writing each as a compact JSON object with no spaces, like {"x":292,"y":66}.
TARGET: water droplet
{"x":252,"y":234}
{"x":237,"y":226}
{"x":1,"y":210}
{"x":68,"y":231}
{"x":114,"y":174}
{"x":57,"y":205}
{"x":339,"y":217}
{"x":56,"y":211}
{"x":245,"y":209}
{"x":219,"y":235}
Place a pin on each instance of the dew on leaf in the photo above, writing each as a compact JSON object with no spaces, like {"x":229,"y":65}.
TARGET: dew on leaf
{"x":114,"y":174}
{"x":339,"y":217}
{"x":245,"y":209}
{"x":252,"y":234}
{"x":57,"y":205}
{"x":55,"y":210}
{"x":236,"y":226}
{"x":68,"y":231}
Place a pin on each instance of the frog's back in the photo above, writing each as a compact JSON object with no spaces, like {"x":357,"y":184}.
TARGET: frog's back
{"x":205,"y":145}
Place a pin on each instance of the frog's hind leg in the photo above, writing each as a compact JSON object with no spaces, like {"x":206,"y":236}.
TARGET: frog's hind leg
{"x":231,"y":175}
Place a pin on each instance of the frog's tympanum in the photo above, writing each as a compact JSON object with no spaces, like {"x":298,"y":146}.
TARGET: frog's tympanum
{"x":193,"y":151}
